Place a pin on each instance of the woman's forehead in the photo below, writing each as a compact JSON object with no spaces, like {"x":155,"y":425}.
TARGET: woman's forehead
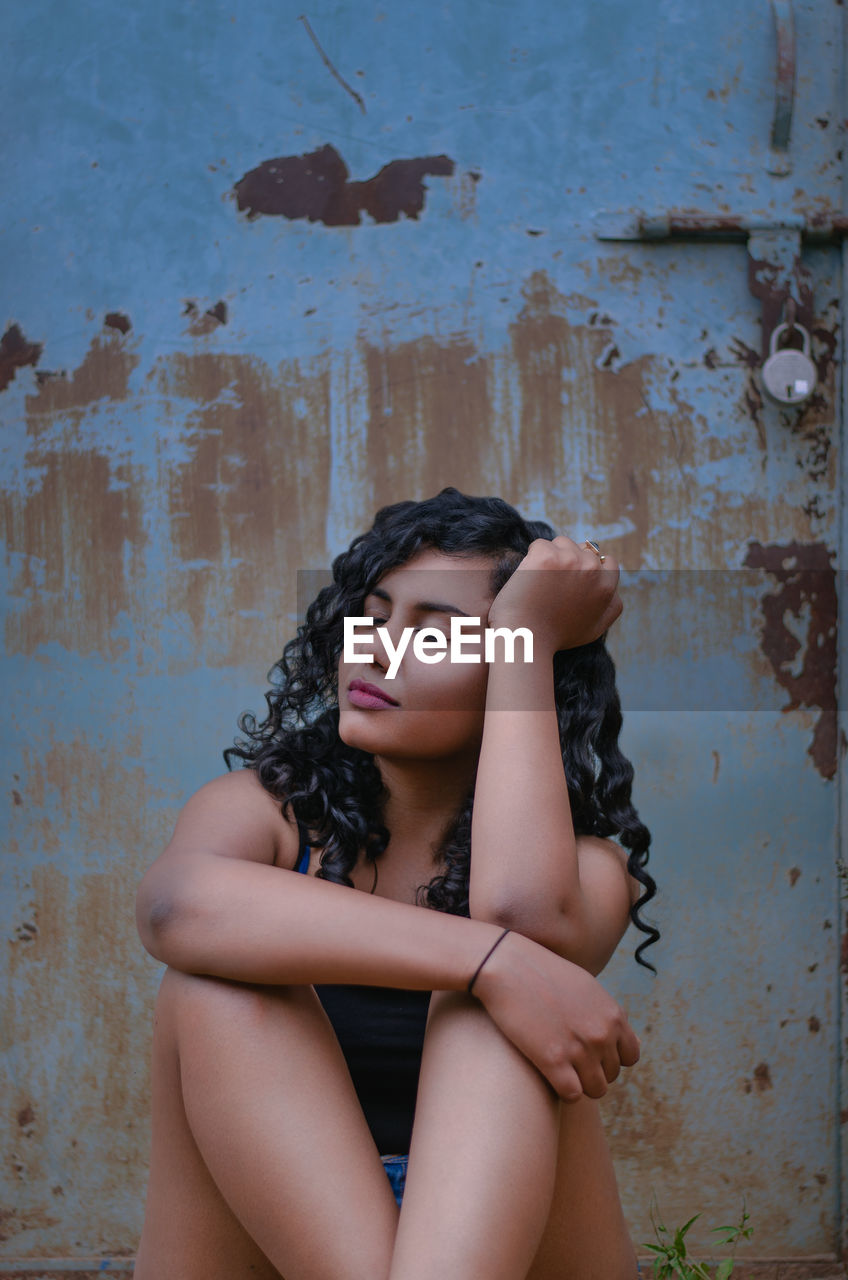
{"x":430,"y":573}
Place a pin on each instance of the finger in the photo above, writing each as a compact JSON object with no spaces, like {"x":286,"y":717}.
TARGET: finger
{"x":567,"y":1084}
{"x":610,"y":565}
{"x":611,"y":614}
{"x":611,"y":1063}
{"x":592,"y":1079}
{"x":629,"y":1048}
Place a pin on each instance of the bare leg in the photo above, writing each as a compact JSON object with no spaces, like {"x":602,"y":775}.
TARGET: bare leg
{"x":518,"y":1184}
{"x":262,"y":1163}
{"x":483,"y":1157}
{"x":586,"y":1237}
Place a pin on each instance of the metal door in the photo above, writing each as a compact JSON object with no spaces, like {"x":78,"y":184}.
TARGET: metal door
{"x":268,"y":269}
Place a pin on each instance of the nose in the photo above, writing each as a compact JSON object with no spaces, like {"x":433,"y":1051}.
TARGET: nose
{"x":382,"y":658}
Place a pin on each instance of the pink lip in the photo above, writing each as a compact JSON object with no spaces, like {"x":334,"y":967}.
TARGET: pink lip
{"x":362,"y":694}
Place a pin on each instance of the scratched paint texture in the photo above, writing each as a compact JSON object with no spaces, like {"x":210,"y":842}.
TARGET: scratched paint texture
{"x":248,"y":301}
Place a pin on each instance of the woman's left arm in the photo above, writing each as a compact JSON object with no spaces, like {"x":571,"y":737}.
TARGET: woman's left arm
{"x":529,"y":871}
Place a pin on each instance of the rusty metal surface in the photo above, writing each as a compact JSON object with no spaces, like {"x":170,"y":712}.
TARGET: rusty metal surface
{"x":784,"y":88}
{"x":197,"y":403}
{"x":689,"y":224}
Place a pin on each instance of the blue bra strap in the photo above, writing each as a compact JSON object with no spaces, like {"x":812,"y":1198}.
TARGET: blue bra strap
{"x":302,"y":863}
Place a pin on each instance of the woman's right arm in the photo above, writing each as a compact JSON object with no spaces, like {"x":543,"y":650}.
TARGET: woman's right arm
{"x":221,"y":901}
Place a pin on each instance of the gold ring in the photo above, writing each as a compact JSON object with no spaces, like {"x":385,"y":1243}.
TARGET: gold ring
{"x":593,"y":546}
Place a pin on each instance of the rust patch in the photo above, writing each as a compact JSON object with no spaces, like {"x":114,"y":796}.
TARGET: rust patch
{"x":744,"y":354}
{"x":568,"y":376}
{"x":429,"y":416}
{"x":544,"y":416}
{"x":99,"y":994}
{"x":242,"y":507}
{"x":203,"y":323}
{"x":316,"y":186}
{"x":72,"y":534}
{"x":16,"y":352}
{"x":773,"y":284}
{"x":104,"y":374}
{"x":793,"y":873}
{"x":806,"y":593}
{"x":762,"y":1077}
{"x":813,"y":1023}
{"x":465,"y":198}
{"x":16,"y":797}
{"x":26,"y":1116}
{"x":640,"y":1115}
{"x":811,"y":424}
{"x":827,"y":343}
{"x":77,"y":532}
{"x":117,"y":320}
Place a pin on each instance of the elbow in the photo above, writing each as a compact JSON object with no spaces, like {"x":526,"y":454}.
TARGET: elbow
{"x":549,"y":923}
{"x":541,"y":920}
{"x":553,"y":926}
{"x":158,"y":911}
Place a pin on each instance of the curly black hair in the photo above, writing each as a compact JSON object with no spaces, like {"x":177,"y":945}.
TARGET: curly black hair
{"x":336,"y":790}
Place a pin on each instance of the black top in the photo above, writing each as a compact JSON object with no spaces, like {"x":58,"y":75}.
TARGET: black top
{"x":381,"y":1033}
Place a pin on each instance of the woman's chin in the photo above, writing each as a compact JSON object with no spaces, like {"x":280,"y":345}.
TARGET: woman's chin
{"x":358,"y":730}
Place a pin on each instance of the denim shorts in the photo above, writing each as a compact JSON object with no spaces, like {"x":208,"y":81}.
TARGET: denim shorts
{"x":395,"y":1167}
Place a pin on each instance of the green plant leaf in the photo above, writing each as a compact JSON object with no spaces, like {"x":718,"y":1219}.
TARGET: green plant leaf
{"x":726,"y":1235}
{"x":679,"y":1236}
{"x":671,"y":1261}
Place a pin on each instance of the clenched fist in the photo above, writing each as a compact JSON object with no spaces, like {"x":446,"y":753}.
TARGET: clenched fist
{"x":562,"y":592}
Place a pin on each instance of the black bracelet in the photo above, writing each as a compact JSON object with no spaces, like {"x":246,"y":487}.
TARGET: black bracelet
{"x":479,"y":968}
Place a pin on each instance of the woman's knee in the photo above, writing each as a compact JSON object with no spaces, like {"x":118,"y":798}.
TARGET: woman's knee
{"x":200,"y":1002}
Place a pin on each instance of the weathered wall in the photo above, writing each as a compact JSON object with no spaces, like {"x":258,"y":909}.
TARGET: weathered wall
{"x":247,"y":304}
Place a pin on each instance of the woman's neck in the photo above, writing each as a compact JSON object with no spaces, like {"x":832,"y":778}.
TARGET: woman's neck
{"x":423,"y":797}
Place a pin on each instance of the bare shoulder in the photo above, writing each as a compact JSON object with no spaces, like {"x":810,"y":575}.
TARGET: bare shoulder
{"x":234,"y":816}
{"x":603,"y":863}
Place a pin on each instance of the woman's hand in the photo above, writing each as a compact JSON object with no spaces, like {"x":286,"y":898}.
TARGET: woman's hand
{"x":558,"y":1015}
{"x":562,"y":592}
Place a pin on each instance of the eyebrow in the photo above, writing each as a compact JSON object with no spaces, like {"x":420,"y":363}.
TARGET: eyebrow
{"x":425,"y":606}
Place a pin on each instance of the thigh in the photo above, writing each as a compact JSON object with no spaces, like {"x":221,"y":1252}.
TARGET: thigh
{"x":190,"y":1232}
{"x":586,"y":1236}
{"x":262,"y":1164}
{"x":483,"y":1157}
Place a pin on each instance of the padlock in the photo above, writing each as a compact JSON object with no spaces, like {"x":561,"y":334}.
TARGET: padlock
{"x":789,"y":375}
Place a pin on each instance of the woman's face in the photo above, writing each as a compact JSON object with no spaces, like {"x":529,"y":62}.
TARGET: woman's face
{"x":431,"y":710}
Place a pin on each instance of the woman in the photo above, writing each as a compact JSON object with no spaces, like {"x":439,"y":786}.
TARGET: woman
{"x":363,"y":798}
